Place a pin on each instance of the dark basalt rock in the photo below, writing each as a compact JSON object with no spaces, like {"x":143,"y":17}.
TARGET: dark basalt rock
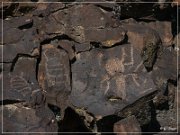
{"x":17,"y":118}
{"x":72,"y":22}
{"x":111,"y":81}
{"x":8,"y":39}
{"x":68,"y":47}
{"x":129,"y":124}
{"x":165,"y":70}
{"x":13,"y":29}
{"x":88,"y":67}
{"x":164,"y":30}
{"x":54,"y":76}
{"x":146,"y":40}
{"x":25,"y":45}
{"x":21,"y":84}
{"x":83,"y":27}
{"x":166,"y":66}
{"x":5,"y":67}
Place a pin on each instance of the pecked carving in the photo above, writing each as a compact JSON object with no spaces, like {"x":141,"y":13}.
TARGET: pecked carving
{"x":114,"y":79}
{"x":21,"y":83}
{"x":54,"y":76}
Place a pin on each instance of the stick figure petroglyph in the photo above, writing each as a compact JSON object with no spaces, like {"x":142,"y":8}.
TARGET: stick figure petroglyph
{"x":116,"y":67}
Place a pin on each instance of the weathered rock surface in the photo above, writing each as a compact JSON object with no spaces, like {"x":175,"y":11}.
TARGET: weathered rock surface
{"x":176,"y":42}
{"x":5,"y":67}
{"x":89,"y":67}
{"x":112,"y":81}
{"x":54,"y":76}
{"x":17,"y":118}
{"x":24,"y":43}
{"x":21,"y":84}
{"x":164,"y":30}
{"x":164,"y":70}
{"x":129,"y":124}
{"x":68,"y":46}
{"x":94,"y":25}
{"x":146,"y":40}
{"x":166,"y":65}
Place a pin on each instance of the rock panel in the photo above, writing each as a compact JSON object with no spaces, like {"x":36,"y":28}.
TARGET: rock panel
{"x":115,"y":79}
{"x":54,"y":76}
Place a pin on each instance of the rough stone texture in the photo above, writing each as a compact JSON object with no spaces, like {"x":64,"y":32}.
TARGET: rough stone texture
{"x":17,"y":118}
{"x":6,"y":67}
{"x":21,"y":84}
{"x":166,"y":65}
{"x":129,"y":124}
{"x":85,"y":67}
{"x":164,"y":70}
{"x":113,"y":80}
{"x":164,"y":30}
{"x":94,"y":25}
{"x":54,"y":76}
{"x":169,"y":113}
{"x":69,"y":47}
{"x":146,"y":40}
{"x":177,"y":103}
{"x":21,"y":42}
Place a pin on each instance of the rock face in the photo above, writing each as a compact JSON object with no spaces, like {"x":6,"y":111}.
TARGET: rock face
{"x":54,"y":76}
{"x":129,"y":124}
{"x":113,"y":80}
{"x":164,"y":31}
{"x":22,"y":85}
{"x":94,"y":67}
{"x":17,"y":118}
{"x":145,"y":39}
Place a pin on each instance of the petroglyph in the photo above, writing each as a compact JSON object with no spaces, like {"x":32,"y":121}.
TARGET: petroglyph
{"x":131,"y":56}
{"x":111,"y":79}
{"x":114,"y":66}
{"x":20,"y":85}
{"x":117,"y":66}
{"x":81,"y":60}
{"x":105,"y":84}
{"x":120,"y":82}
{"x":54,"y":66}
{"x":54,"y":76}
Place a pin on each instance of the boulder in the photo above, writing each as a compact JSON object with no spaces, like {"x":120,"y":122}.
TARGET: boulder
{"x":111,"y":81}
{"x":18,"y":118}
{"x":54,"y":76}
{"x":127,"y":126}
